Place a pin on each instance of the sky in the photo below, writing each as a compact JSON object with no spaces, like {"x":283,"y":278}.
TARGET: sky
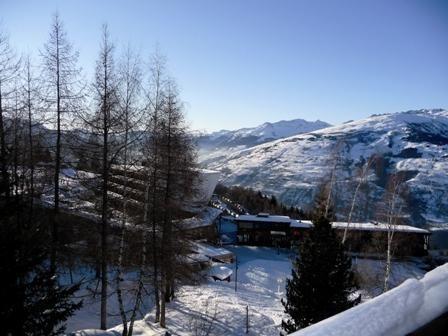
{"x":242,"y":63}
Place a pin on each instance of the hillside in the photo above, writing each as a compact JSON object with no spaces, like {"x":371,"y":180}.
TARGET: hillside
{"x":414,"y":143}
{"x":222,"y":143}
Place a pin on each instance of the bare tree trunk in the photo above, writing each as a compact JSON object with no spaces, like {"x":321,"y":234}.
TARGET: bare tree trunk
{"x":162,"y":301}
{"x":30,"y":134}
{"x":392,"y":214}
{"x":166,"y":230}
{"x":154,"y":130}
{"x":15,"y":158}
{"x":57,"y":167}
{"x":106,"y":106}
{"x":104,"y":220}
{"x":388,"y":268}
{"x":3,"y":162}
{"x":123,"y":229}
{"x":138,"y":298}
{"x":9,"y":68}
{"x":63,"y":95}
{"x":104,"y":226}
{"x":330,"y":190}
{"x":362,"y":178}
{"x":119,"y":279}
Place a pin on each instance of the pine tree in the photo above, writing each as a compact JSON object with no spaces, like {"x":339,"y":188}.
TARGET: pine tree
{"x":322,"y":283}
{"x":32,"y":302}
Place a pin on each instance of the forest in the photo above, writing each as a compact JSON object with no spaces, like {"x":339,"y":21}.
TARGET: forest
{"x":95,"y":175}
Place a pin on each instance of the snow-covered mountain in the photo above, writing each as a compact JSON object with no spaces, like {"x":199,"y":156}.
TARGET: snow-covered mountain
{"x":413,"y":143}
{"x":223,"y":143}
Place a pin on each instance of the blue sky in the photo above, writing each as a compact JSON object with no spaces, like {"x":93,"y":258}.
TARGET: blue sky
{"x":241,"y":63}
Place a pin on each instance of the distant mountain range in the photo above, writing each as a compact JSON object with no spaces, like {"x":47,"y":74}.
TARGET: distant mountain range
{"x":222,"y":143}
{"x":290,"y":159}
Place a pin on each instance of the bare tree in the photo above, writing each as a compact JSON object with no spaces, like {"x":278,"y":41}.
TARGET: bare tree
{"x":129,"y":103}
{"x":9,"y":67}
{"x":31,"y":105}
{"x":362,"y":178}
{"x":104,"y":124}
{"x":392,"y":213}
{"x":105,"y":86}
{"x":179,"y":175}
{"x":17,"y":143}
{"x":335,"y":158}
{"x":63,"y":95}
{"x":152,"y":153}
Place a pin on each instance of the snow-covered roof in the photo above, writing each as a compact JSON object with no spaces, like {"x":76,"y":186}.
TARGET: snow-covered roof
{"x":210,"y":251}
{"x":306,"y":224}
{"x":301,"y":224}
{"x":399,"y":311}
{"x":378,"y":227}
{"x":368,"y":226}
{"x":196,"y":257}
{"x":264,"y":218}
{"x":221,"y":272}
{"x":203,"y":218}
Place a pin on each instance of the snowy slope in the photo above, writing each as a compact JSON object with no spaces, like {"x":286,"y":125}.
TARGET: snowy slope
{"x":216,"y":144}
{"x":414,"y":143}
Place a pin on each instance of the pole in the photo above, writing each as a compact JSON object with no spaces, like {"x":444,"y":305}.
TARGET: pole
{"x":247,"y":319}
{"x":236,"y":272}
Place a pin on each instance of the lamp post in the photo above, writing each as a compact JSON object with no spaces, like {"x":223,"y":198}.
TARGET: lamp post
{"x":236,"y":272}
{"x":279,"y":282}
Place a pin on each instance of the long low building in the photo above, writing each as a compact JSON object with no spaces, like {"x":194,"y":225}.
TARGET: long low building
{"x":273,"y":230}
{"x":265,"y":229}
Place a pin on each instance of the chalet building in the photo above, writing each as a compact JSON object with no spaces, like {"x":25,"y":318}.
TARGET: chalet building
{"x":266,"y":230}
{"x":362,"y":238}
{"x":371,"y":238}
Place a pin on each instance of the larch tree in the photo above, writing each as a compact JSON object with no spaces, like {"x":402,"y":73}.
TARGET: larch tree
{"x":9,"y":68}
{"x":63,"y":93}
{"x":105,"y":122}
{"x":132,"y":112}
{"x":179,"y":176}
{"x":152,"y":152}
{"x":31,"y":103}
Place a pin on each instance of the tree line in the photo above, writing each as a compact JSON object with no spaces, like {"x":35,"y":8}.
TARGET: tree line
{"x":254,"y":202}
{"x":125,"y":135}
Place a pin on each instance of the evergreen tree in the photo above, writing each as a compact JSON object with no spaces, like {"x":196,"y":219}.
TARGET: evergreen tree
{"x":322,"y":282}
{"x":31,"y":300}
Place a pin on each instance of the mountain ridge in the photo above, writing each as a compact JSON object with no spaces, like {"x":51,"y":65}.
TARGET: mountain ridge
{"x":214,"y":144}
{"x":413,"y":143}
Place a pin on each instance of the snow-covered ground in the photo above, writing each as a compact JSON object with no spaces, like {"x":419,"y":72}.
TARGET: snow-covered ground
{"x":224,"y":143}
{"x":261,"y":280}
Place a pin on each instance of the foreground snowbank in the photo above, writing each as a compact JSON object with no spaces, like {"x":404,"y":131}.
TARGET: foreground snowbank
{"x":397,"y":312}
